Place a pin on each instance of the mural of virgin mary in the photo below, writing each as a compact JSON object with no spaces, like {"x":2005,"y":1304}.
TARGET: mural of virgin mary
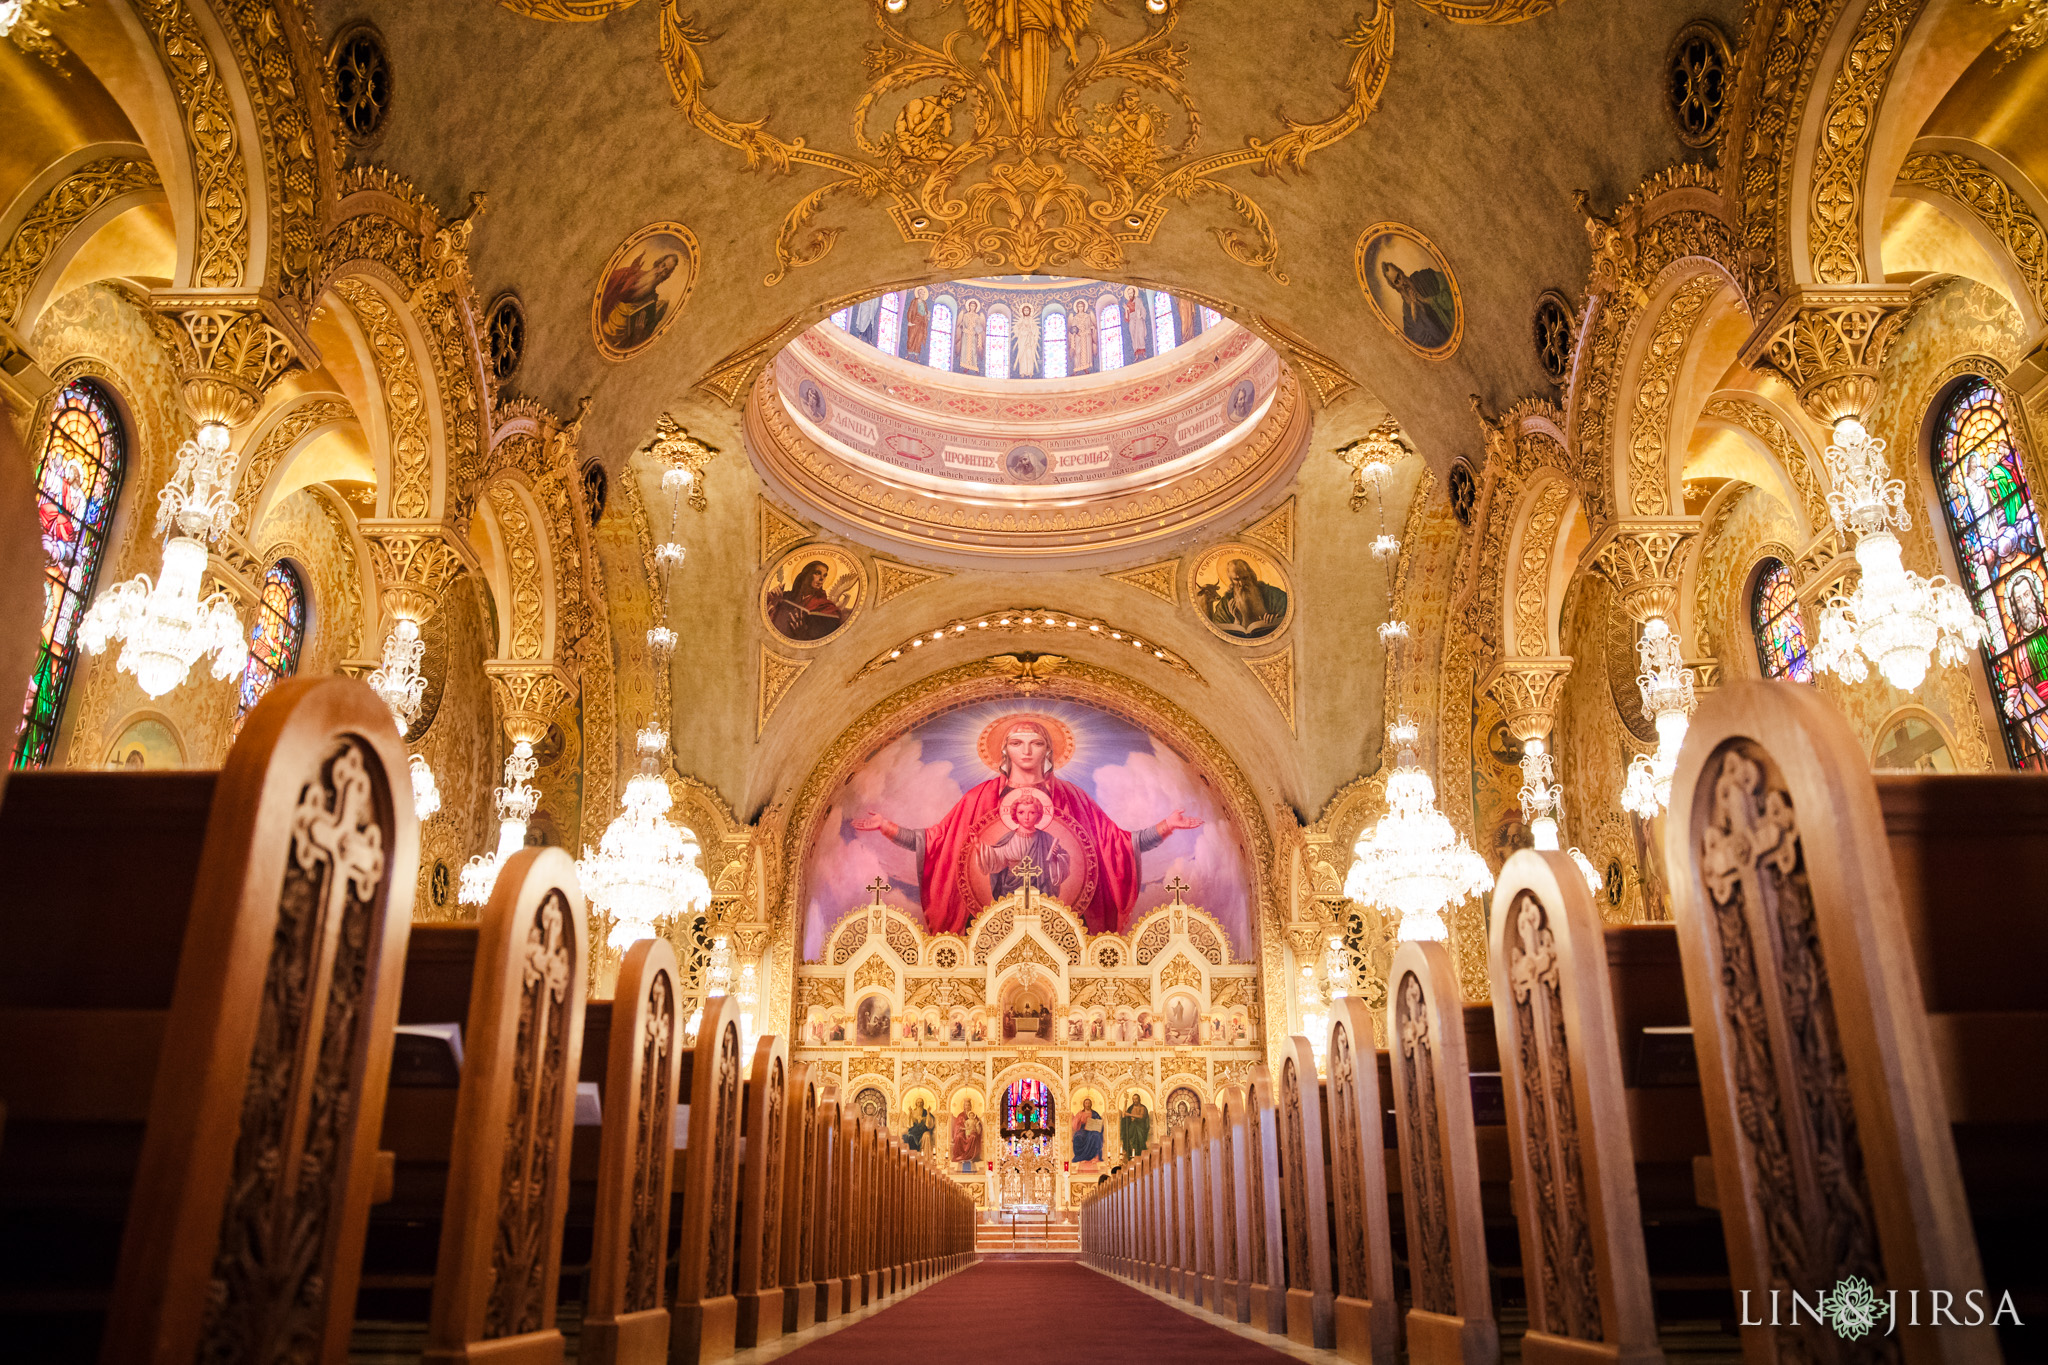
{"x":1022,"y":752}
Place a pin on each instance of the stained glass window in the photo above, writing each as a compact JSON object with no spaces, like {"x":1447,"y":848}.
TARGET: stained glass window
{"x":940,"y":347}
{"x":843,"y":319}
{"x":1162,"y":322}
{"x":888,"y":329}
{"x":1210,"y":317}
{"x":1111,"y":356}
{"x":78,"y":481}
{"x":275,"y":638}
{"x":1997,"y":538}
{"x":1775,"y":621}
{"x":1055,"y":344}
{"x":995,"y":359}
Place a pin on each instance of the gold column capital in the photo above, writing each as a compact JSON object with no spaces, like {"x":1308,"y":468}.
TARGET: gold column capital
{"x":1830,"y":343}
{"x":233,"y":346}
{"x":414,"y":562}
{"x":1528,"y":691}
{"x":529,"y":694}
{"x":1644,"y":560}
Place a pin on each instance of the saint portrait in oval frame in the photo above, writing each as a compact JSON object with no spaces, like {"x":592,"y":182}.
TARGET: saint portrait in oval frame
{"x":811,"y":594}
{"x":1411,"y":289}
{"x":642,"y":289}
{"x":1242,"y":594}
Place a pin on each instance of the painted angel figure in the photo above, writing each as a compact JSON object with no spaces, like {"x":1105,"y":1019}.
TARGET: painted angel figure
{"x":1017,"y":37}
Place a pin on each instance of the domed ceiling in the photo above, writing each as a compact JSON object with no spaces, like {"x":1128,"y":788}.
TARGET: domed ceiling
{"x":884,"y":421}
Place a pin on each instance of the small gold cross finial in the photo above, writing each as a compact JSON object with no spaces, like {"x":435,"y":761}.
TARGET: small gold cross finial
{"x":1178,"y":888}
{"x":877,"y":888}
{"x":1027,"y":872}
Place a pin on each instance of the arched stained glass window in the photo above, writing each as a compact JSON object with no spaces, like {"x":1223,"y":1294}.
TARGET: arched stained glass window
{"x":889,"y":327}
{"x":843,"y":319}
{"x":1111,"y":356}
{"x":995,"y":357}
{"x":1162,"y":323}
{"x":1055,"y":339}
{"x":1775,"y":621}
{"x":78,"y":481}
{"x":275,"y":638}
{"x":1210,"y":317}
{"x":1991,"y":521}
{"x":940,"y":347}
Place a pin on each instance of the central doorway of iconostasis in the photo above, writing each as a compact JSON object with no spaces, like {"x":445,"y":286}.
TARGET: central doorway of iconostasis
{"x":1026,"y":1164}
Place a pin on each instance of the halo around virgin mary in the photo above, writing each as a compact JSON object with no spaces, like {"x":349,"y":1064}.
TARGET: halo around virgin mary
{"x":1025,"y":823}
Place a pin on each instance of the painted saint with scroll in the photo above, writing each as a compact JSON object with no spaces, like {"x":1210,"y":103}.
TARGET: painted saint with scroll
{"x":971,"y":856}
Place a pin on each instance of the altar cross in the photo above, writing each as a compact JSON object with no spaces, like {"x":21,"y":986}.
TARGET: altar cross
{"x":1178,"y":888}
{"x":876,"y":888}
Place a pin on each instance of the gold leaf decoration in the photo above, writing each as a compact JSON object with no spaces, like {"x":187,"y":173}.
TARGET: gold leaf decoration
{"x":778,"y":675}
{"x":779,"y":531}
{"x":567,"y":11}
{"x":1162,"y":579}
{"x":893,"y":579}
{"x":1275,"y":673}
{"x":1275,"y":531}
{"x":1133,"y":154}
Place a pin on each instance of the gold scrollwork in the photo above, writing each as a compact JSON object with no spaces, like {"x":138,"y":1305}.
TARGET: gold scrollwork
{"x":1056,"y":182}
{"x":61,"y":209}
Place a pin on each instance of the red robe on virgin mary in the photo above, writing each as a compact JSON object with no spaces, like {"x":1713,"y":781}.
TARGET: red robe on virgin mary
{"x":1107,"y":907}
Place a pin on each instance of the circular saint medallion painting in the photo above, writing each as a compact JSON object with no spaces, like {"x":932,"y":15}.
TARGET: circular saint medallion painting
{"x":812,"y":593}
{"x":1241,"y":593}
{"x":644,"y":286}
{"x":1410,"y":287}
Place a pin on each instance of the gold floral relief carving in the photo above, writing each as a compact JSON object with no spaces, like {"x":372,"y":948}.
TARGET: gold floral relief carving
{"x":304,"y":416}
{"x":1063,"y":142}
{"x":1180,"y":972}
{"x":1834,"y":224}
{"x":284,"y":81}
{"x":874,"y":972}
{"x":1779,"y":63}
{"x":1532,"y":580}
{"x":404,"y":400}
{"x":1791,"y":452}
{"x":1977,"y":188}
{"x":62,"y":208}
{"x":523,"y":566}
{"x":1650,"y":422}
{"x":221,"y":255}
{"x":567,"y":11}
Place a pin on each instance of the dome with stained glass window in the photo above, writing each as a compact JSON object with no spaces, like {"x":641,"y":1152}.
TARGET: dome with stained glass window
{"x":1025,"y":418}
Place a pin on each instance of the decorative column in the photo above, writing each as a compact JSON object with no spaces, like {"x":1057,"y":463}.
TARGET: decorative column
{"x":1829,"y":345}
{"x":1645,"y":561}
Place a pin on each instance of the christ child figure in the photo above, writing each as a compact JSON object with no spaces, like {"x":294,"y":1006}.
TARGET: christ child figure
{"x":1029,"y":811}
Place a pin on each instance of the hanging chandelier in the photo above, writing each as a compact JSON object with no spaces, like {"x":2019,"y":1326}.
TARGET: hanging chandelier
{"x":402,"y":686}
{"x":517,"y":800}
{"x":645,"y":868}
{"x":1412,"y":861}
{"x":668,"y":561}
{"x":166,"y":626}
{"x":748,"y":998}
{"x":1543,"y":807}
{"x":1667,"y":688}
{"x":1893,"y":618}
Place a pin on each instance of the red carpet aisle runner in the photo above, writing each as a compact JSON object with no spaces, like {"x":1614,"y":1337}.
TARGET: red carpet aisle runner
{"x":1026,"y":1313}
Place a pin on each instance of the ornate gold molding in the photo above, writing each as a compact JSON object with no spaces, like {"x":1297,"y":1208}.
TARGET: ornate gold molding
{"x":1830,"y":344}
{"x":1160,"y":580}
{"x":305,"y":416}
{"x":1385,"y":443}
{"x":1527,"y":692}
{"x":1754,"y":416}
{"x":894,"y":578}
{"x":1979,"y":190}
{"x":779,"y":531}
{"x":1275,"y":673}
{"x":527,"y":609}
{"x":778,"y":675}
{"x":1532,"y":572}
{"x":405,"y":401}
{"x":63,"y":207}
{"x":984,"y":626}
{"x":413,"y":563}
{"x":212,"y":133}
{"x":676,"y":448}
{"x":1650,"y":416}
{"x":1835,"y":207}
{"x":232,"y":348}
{"x":529,"y":695}
{"x":1644,"y":561}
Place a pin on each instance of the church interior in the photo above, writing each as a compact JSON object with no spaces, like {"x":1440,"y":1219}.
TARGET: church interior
{"x":858,"y":668}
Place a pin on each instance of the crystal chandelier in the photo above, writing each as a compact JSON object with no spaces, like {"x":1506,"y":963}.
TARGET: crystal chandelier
{"x":1667,"y":688}
{"x":517,"y":800}
{"x":166,"y":626}
{"x":1893,"y":617}
{"x":1543,"y":806}
{"x":645,"y":868}
{"x":668,"y":560}
{"x":1315,"y":1016}
{"x":748,"y":997}
{"x":402,"y":686}
{"x":1412,"y":861}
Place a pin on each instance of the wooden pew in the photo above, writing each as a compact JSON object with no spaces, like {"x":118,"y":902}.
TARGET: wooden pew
{"x":1304,"y":1207}
{"x":704,"y":1314}
{"x":1587,"y":1281}
{"x":1260,"y":1172}
{"x":847,"y":1179}
{"x":1201,"y":1211}
{"x":1185,"y":1274}
{"x":799,"y":1192}
{"x":1365,"y":1318}
{"x":495,"y":1281}
{"x":1831,"y":1124}
{"x":827,"y":1200}
{"x":758,"y":1283}
{"x":624,"y":1321}
{"x":208,"y":1008}
{"x":1451,"y":1322}
{"x":1229,"y":1300}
